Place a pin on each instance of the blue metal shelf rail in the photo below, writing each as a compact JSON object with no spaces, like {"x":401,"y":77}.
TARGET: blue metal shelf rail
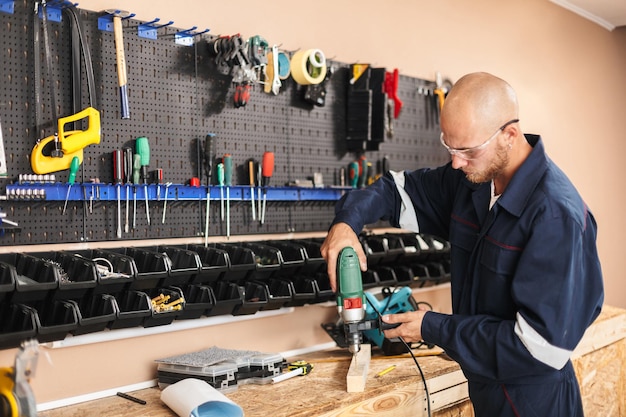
{"x":159,"y":192}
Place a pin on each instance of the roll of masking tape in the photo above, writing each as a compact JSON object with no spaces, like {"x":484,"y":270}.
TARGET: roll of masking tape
{"x":284,"y":67}
{"x":308,"y":67}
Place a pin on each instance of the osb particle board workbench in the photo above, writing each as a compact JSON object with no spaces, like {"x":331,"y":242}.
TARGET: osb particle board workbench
{"x":321,"y":393}
{"x":600,"y":363}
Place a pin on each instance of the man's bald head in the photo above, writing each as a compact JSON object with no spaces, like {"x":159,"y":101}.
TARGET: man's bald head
{"x":480,"y":102}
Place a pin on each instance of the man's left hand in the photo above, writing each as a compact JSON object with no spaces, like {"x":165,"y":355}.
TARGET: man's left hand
{"x":410,"y":329}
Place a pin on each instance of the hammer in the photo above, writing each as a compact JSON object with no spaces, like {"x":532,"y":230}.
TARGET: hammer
{"x":121,"y":60}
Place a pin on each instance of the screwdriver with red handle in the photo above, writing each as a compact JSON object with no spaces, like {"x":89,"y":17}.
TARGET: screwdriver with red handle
{"x":267,"y":169}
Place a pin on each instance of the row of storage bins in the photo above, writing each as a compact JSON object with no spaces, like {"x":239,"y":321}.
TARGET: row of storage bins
{"x":51,"y":294}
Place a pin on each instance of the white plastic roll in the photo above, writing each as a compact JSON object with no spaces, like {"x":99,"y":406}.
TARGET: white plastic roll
{"x":302,"y":69}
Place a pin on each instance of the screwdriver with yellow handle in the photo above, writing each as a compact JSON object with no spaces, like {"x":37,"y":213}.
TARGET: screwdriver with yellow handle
{"x":74,"y":165}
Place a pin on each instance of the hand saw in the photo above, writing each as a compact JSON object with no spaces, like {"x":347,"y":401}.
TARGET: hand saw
{"x":43,"y":160}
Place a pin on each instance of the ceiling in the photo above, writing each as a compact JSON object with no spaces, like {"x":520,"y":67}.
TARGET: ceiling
{"x":609,"y":14}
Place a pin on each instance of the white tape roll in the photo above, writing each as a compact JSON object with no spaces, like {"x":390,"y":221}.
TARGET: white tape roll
{"x":317,"y":58}
{"x":302,"y":69}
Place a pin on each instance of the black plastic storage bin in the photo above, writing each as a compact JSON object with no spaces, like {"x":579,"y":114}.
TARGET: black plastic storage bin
{"x":386,"y":276}
{"x":152,"y":267}
{"x":228,"y":297}
{"x":314,"y":262}
{"x":115,"y":271}
{"x":95,"y":313}
{"x":281,"y":293}
{"x":268,"y":260}
{"x":17,"y":323}
{"x":55,"y":319}
{"x":382,"y":249}
{"x":373,"y":249}
{"x":133,"y":307}
{"x":404,"y":274}
{"x":370,"y":279}
{"x":185,"y":264}
{"x":242,"y":262}
{"x":35,"y":278}
{"x":322,"y":288}
{"x":214,"y":264}
{"x":199,"y":301}
{"x":413,"y":247}
{"x":304,"y":291}
{"x":293,"y":257}
{"x":160,"y":318}
{"x":7,"y":281}
{"x":255,"y":297}
{"x":76,"y":274}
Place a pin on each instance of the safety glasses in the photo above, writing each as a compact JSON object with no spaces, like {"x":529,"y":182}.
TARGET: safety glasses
{"x":475,"y":151}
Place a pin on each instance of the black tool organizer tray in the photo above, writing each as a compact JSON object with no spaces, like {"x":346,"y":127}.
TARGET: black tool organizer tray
{"x":49,"y":295}
{"x":176,"y":98}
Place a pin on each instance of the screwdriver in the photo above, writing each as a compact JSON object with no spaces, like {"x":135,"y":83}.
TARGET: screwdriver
{"x":71,"y":179}
{"x":353,"y":174}
{"x":228,"y":181}
{"x":267,"y":169}
{"x":142,"y":147}
{"x":118,"y":177}
{"x":136,"y":168}
{"x":252,"y":183}
{"x":208,"y":163}
{"x":128,"y":169}
{"x":258,"y":182}
{"x":362,"y":171}
{"x":220,"y":182}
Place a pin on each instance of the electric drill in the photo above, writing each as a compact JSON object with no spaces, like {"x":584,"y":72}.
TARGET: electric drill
{"x":350,"y":297}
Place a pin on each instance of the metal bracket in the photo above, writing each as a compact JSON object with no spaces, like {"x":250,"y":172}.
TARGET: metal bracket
{"x":148,"y":30}
{"x":186,"y":37}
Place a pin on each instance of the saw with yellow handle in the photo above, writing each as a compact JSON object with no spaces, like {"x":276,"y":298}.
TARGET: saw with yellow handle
{"x":44,"y":158}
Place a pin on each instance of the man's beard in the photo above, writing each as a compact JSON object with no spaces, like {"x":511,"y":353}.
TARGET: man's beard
{"x":499,"y":162}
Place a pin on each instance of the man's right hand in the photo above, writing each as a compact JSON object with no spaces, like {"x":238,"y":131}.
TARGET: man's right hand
{"x":340,"y":236}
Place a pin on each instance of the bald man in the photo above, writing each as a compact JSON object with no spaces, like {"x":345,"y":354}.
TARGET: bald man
{"x":525,"y":276}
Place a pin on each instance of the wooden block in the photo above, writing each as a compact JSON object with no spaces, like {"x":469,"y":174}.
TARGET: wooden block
{"x":357,"y":373}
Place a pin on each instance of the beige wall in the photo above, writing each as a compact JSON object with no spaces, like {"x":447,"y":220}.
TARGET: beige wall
{"x":569,"y":74}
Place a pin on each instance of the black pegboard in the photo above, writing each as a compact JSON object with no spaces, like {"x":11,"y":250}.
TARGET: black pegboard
{"x":176,"y":96}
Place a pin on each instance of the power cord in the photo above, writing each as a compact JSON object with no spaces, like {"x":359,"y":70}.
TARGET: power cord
{"x":388,"y":293}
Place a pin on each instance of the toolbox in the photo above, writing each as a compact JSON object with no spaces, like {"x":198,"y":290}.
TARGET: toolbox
{"x":222,"y":376}
{"x":223,"y":369}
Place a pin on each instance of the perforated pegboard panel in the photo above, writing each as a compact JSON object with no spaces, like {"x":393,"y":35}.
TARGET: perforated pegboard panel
{"x":176,"y":96}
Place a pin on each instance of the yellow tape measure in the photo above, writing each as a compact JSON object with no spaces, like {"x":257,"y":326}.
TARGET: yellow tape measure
{"x":304,"y":365}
